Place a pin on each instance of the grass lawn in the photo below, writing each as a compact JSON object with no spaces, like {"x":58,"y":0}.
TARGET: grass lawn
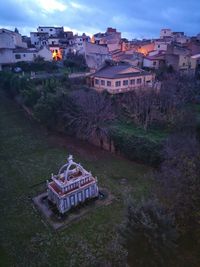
{"x":155,"y":135}
{"x":28,"y":156}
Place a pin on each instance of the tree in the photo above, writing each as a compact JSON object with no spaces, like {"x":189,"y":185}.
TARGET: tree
{"x":88,"y":114}
{"x":179,"y":179}
{"x":149,"y":234}
{"x":179,"y":184}
{"x":16,"y":30}
{"x":75,"y":62}
{"x":141,"y":107}
{"x":46,"y":109}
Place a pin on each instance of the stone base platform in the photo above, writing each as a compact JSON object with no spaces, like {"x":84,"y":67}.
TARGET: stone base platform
{"x":59,"y":221}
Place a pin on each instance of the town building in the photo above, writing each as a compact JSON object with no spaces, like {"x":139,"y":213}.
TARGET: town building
{"x":51,"y":31}
{"x":95,"y":55}
{"x":111,"y":38}
{"x":13,"y":49}
{"x":165,"y":33}
{"x":180,"y":59}
{"x":144,"y":47}
{"x":120,"y":78}
{"x":31,"y":54}
{"x":154,"y":61}
{"x":39,"y":39}
{"x":161,"y":45}
{"x":181,"y":63}
{"x":72,"y":186}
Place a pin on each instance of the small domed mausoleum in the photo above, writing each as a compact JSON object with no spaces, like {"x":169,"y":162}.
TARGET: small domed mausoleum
{"x":71,"y":186}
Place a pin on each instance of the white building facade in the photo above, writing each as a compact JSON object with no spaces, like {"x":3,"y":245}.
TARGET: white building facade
{"x":72,"y":186}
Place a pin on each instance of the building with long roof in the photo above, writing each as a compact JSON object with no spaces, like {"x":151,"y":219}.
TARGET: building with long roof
{"x":120,"y":78}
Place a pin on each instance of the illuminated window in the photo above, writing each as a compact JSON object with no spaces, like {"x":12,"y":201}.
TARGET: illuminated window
{"x":57,"y":55}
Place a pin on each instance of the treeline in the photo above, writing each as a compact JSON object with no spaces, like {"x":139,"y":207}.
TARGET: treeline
{"x":163,"y":230}
{"x":69,"y":107}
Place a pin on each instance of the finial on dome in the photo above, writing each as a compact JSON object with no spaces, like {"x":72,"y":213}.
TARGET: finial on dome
{"x":70,"y":158}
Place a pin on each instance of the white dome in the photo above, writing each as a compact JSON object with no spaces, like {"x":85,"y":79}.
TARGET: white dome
{"x":71,"y":168}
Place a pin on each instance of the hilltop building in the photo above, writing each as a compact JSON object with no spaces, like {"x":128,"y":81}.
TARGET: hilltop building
{"x":13,"y":49}
{"x":71,"y":186}
{"x":120,"y":78}
{"x":95,"y":55}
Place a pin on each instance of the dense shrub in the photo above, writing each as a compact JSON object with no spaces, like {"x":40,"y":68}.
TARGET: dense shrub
{"x":138,"y":148}
{"x":37,"y":66}
{"x":75,"y":62}
{"x":149,"y":234}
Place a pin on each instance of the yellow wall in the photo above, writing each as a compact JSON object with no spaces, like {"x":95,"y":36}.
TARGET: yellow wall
{"x":115,"y":89}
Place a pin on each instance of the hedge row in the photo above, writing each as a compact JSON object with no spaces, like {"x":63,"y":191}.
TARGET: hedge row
{"x":138,"y":148}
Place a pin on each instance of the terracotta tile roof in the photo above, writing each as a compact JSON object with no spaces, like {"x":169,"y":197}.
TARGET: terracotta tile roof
{"x":119,"y":71}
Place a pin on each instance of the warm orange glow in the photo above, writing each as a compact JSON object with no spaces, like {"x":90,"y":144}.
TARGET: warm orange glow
{"x":57,"y":55}
{"x":142,"y":50}
{"x":145,"y":49}
{"x":92,"y":39}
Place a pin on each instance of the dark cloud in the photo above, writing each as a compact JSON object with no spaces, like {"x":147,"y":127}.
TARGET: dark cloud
{"x":142,"y":18}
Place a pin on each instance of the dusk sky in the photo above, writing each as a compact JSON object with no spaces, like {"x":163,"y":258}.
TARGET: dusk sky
{"x":135,"y":19}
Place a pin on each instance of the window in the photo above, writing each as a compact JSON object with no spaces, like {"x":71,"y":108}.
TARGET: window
{"x":139,"y":81}
{"x":102,"y":82}
{"x":96,"y":81}
{"x":17,"y":56}
{"x":51,"y":30}
{"x":108,"y":83}
{"x":41,"y":30}
{"x":133,"y":82}
{"x":154,"y":63}
{"x":118,"y":83}
{"x":183,"y":63}
{"x":72,"y":200}
{"x":125,"y":82}
{"x":24,"y":55}
{"x":158,"y":46}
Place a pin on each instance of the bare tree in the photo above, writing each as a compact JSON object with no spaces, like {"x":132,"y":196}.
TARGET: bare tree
{"x":89,"y":115}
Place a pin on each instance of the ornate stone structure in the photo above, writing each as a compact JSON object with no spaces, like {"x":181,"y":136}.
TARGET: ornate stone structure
{"x":71,"y":186}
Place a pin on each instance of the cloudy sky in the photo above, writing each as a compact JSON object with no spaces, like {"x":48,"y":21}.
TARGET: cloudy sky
{"x":135,"y":19}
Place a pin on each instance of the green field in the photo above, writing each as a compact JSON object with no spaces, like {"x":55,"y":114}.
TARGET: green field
{"x":155,"y":135}
{"x":28,"y":156}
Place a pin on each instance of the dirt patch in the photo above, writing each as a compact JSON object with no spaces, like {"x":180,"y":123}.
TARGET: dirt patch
{"x":83,"y":148}
{"x":58,"y":221}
